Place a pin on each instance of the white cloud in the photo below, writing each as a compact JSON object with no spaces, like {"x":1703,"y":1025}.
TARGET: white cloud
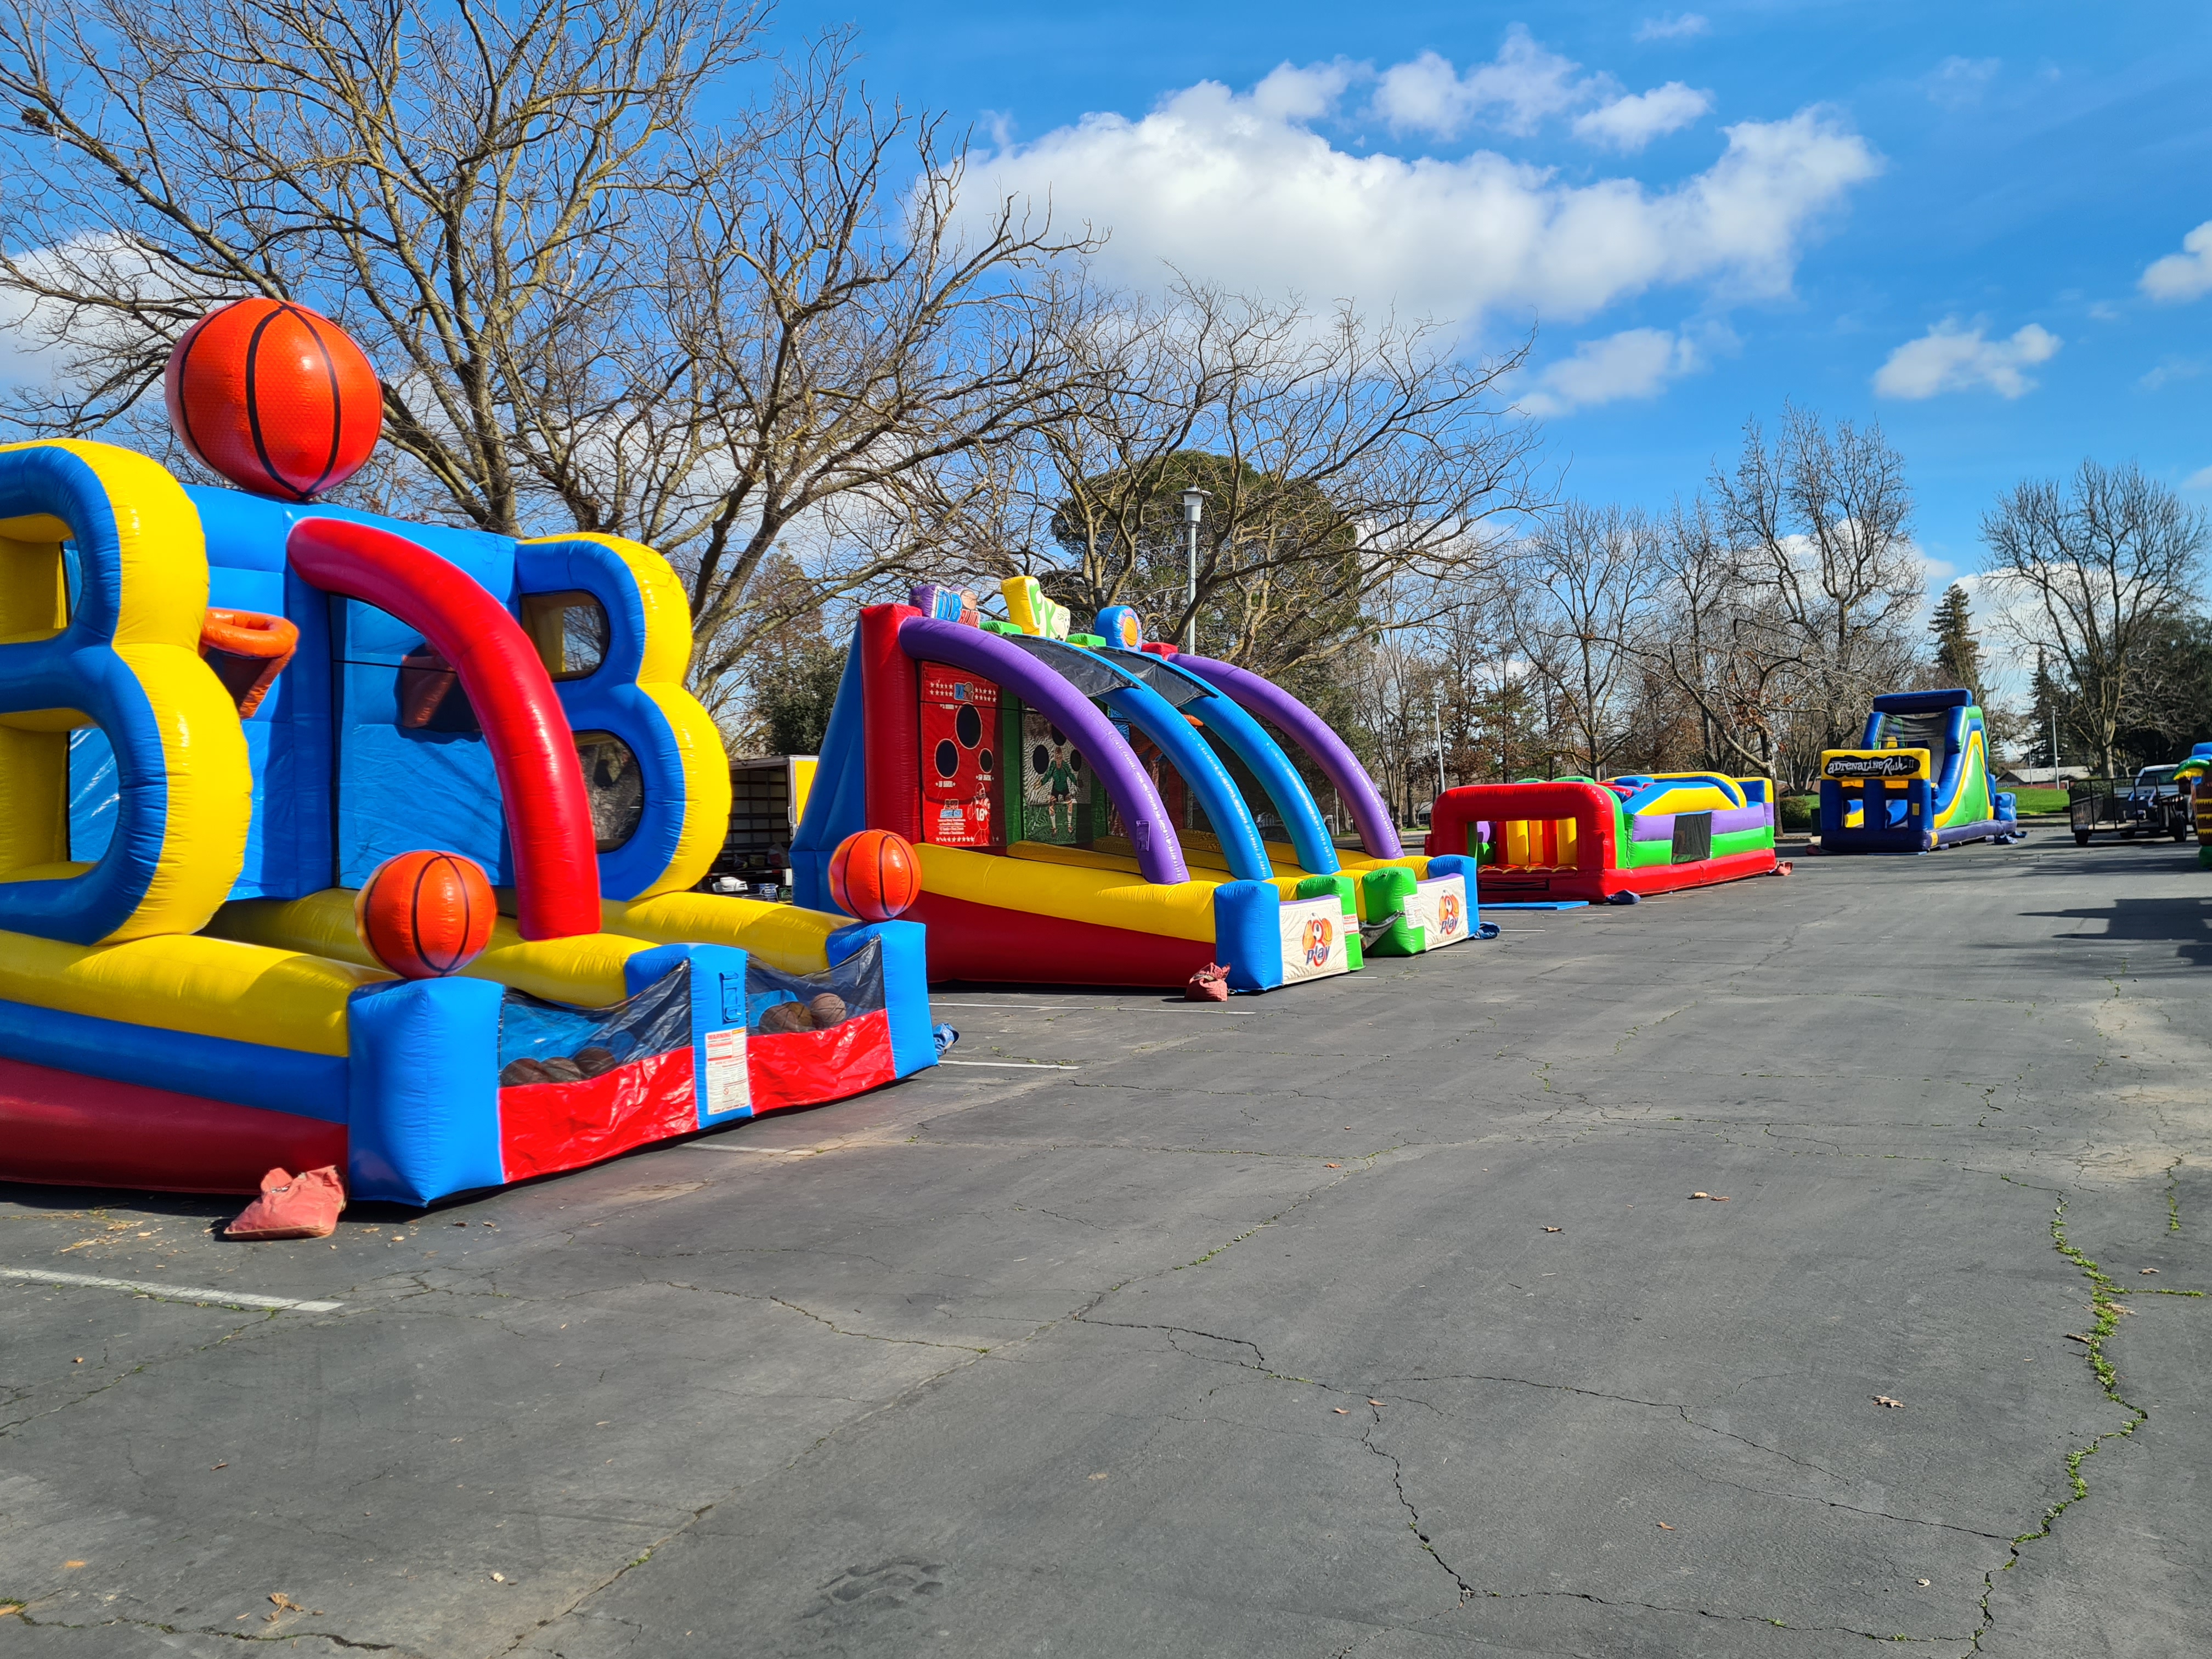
{"x":1958,"y":82}
{"x":1233,"y":189}
{"x":1636,"y":363}
{"x":1292,"y":94}
{"x":1951,"y":358}
{"x":2170,"y":370}
{"x":1631,"y":122}
{"x":2183,"y":276}
{"x":1673,"y":28}
{"x":1513,"y":92}
{"x":2200,"y":479}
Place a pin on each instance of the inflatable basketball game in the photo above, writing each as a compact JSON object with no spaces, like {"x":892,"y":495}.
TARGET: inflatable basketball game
{"x":1097,"y":809}
{"x":330,"y":839}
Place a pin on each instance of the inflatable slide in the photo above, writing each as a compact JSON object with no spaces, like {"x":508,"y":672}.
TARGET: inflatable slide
{"x":1919,"y":779}
{"x":223,"y":712}
{"x":1093,"y":808}
{"x":1566,"y":839}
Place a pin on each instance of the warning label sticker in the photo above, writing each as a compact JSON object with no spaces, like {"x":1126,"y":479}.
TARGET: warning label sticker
{"x":729,"y":1089}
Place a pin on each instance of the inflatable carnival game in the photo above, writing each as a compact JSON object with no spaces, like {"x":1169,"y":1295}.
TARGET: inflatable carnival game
{"x":329,"y":839}
{"x":1099,"y":809}
{"x":1919,"y":779}
{"x":1589,"y":840}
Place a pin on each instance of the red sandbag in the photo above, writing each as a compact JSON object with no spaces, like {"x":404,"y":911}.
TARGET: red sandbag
{"x":1209,"y":984}
{"x":292,"y":1206}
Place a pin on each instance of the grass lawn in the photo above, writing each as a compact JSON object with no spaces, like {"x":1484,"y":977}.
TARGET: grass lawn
{"x":2027,"y":801}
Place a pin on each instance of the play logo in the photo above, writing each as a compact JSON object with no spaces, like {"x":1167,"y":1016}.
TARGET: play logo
{"x":1871,"y":766}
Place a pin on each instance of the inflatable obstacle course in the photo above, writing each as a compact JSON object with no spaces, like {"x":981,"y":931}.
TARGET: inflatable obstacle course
{"x":1584,"y":838}
{"x":1096,"y":809}
{"x":1919,"y":779}
{"x":223,"y":712}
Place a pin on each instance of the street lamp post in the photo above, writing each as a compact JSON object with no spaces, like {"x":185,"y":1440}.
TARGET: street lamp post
{"x":1194,"y":504}
{"x":1436,"y":707}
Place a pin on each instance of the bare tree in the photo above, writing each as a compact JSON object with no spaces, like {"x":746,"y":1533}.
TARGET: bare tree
{"x":463,"y":187}
{"x":1786,"y":595}
{"x":846,"y":338}
{"x":1338,"y":457}
{"x":1719,"y":641}
{"x":1822,"y":522}
{"x":2097,"y":567}
{"x":1581,"y":589}
{"x":591,"y":307}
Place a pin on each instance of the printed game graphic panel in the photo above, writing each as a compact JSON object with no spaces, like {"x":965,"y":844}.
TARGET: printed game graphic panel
{"x":961,"y":791}
{"x":1055,"y":785}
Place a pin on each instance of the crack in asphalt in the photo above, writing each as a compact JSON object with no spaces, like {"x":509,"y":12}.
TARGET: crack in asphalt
{"x":244,"y":1323}
{"x":294,"y":1637}
{"x":1467,"y":1591}
{"x":2103,"y":1290}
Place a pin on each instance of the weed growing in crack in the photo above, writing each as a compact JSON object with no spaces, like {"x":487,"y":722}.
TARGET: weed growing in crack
{"x":2104,"y":1302}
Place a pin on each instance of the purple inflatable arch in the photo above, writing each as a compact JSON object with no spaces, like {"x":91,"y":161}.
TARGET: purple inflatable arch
{"x":1311,"y":733}
{"x":1159,"y":854}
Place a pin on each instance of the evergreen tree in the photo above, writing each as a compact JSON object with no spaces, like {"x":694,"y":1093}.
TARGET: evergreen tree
{"x":1958,"y":652}
{"x":791,"y":672}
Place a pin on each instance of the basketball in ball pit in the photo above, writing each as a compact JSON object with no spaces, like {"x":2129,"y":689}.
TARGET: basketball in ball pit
{"x":874,"y":875}
{"x":275,"y":397}
{"x":425,"y":915}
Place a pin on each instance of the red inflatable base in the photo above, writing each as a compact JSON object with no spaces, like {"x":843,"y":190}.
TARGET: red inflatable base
{"x":64,"y":1129}
{"x":812,"y":1068}
{"x":1502,"y":886}
{"x":980,"y":941}
{"x":547,"y":1128}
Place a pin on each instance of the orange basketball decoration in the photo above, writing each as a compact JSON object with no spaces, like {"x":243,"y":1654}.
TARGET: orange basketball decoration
{"x":425,"y":915}
{"x":874,"y":875}
{"x":275,"y":397}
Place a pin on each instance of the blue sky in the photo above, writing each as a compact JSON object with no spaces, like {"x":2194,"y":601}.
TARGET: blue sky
{"x":1937,"y":216}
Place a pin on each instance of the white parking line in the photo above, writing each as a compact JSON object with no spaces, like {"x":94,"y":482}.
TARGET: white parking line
{"x":167,"y":1292}
{"x":1011,"y":1065}
{"x":1012,"y":1007}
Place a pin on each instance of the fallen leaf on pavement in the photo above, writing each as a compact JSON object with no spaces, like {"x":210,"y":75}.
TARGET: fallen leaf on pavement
{"x":223,"y":1465}
{"x":2072,"y":1337}
{"x":1884,"y":1400}
{"x":1097,"y":1477}
{"x":1700,"y":1194}
{"x":286,"y":1604}
{"x":1720,"y":1198}
{"x":1551,"y":1230}
{"x":1923,"y":1582}
{"x":1374,"y":1402}
{"x":2147,"y":1270}
{"x":1340,"y":1411}
{"x":1332,"y":1166}
{"x":1663,"y":1526}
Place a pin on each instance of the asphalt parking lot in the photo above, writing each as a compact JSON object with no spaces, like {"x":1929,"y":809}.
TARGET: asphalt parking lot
{"x":1370,"y":1318}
